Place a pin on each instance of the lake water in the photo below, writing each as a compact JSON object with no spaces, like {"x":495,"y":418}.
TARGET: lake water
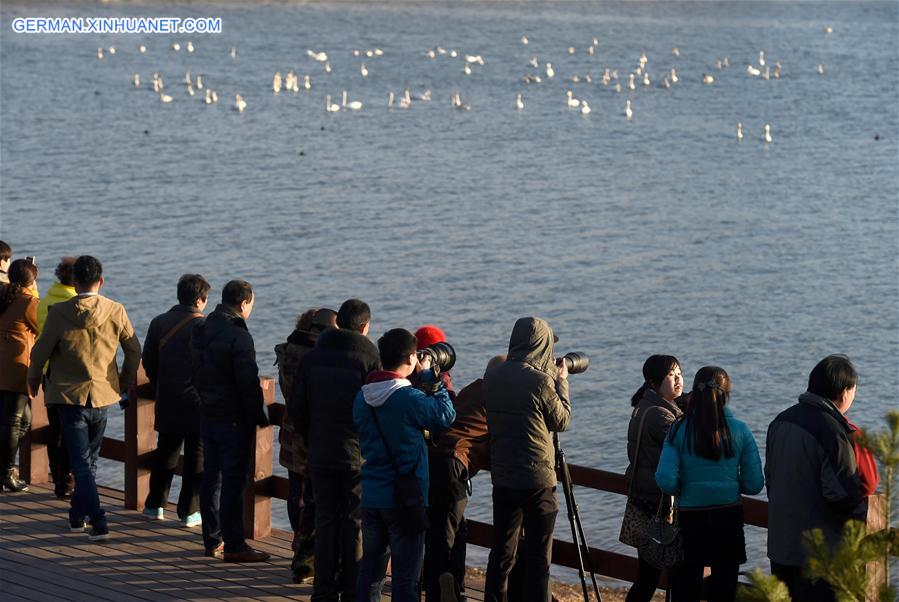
{"x":663,"y":234}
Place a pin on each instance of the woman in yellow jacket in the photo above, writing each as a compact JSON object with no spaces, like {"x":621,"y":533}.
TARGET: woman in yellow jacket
{"x":18,"y":328}
{"x":61,"y":290}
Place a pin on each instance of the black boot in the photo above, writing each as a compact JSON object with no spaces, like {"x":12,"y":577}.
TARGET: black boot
{"x":11,"y":483}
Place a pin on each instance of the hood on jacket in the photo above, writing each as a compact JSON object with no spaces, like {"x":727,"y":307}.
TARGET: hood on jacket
{"x":59,"y":292}
{"x":532,"y":343}
{"x":827,"y":406}
{"x":218,"y":321}
{"x":380,"y":385}
{"x":86,"y":312}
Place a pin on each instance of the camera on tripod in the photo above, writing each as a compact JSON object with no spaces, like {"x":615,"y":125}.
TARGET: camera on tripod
{"x":443,"y":356}
{"x":575,"y":361}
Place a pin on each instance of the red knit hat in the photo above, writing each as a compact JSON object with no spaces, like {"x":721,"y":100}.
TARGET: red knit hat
{"x":428,"y":335}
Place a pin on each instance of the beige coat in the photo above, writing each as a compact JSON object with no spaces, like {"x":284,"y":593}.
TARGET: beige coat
{"x":80,"y":340}
{"x":18,"y":326}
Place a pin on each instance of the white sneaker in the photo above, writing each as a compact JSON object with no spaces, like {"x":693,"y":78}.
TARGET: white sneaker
{"x":192,"y":520}
{"x":154,"y":513}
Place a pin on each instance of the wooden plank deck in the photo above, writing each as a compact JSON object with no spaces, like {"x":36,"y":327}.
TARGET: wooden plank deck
{"x":143,"y":560}
{"x":41,"y":560}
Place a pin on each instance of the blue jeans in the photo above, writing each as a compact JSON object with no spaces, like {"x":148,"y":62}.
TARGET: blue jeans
{"x":226,"y":462}
{"x":381,"y":541}
{"x":83,"y":429}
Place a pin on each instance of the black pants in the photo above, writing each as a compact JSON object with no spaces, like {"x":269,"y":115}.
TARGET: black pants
{"x":536,"y":510}
{"x":801,"y":588}
{"x":165,"y":461}
{"x":448,"y":533}
{"x":645,"y":585}
{"x":686,"y":583}
{"x":15,"y":420}
{"x":60,"y":469}
{"x":338,"y":534}
{"x":300,"y":506}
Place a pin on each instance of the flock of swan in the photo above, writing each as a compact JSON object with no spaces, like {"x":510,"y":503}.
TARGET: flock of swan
{"x":541,"y":72}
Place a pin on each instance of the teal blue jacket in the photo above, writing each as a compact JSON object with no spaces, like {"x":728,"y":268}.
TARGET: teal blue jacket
{"x":702,"y":482}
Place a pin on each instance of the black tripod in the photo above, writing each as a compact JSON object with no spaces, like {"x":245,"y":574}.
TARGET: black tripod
{"x":574,"y":519}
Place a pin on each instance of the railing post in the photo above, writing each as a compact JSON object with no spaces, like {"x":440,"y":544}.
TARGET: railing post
{"x":34,"y":459}
{"x":140,"y":441}
{"x":257,"y":509}
{"x":876,"y":571}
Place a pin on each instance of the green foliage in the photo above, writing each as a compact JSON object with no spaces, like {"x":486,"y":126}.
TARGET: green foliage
{"x":764,"y":588}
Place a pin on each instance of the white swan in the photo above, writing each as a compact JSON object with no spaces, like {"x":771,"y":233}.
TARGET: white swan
{"x":176,"y":46}
{"x":329,"y":106}
{"x":276,"y":82}
{"x":753,"y":71}
{"x":321,"y":57}
{"x":740,"y":131}
{"x":550,"y":72}
{"x":573,"y":102}
{"x":190,"y":46}
{"x":820,"y":69}
{"x":136,"y":80}
{"x":352,"y":106}
{"x":519,"y":102}
{"x":233,"y":53}
{"x":628,"y":112}
{"x":585,"y":108}
{"x":199,"y":82}
{"x":767,"y":134}
{"x":142,"y":49}
{"x":630,"y":82}
{"x":390,"y":99}
{"x":239,"y":103}
{"x":165,"y":98}
{"x":708,"y":78}
{"x":674,"y":77}
{"x":524,"y":40}
{"x":100,"y":53}
{"x":363,"y":70}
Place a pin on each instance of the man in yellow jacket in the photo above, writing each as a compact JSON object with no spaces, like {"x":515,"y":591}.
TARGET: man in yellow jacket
{"x":80,"y":340}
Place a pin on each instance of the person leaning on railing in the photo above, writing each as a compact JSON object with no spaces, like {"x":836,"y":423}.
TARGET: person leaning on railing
{"x":655,"y":408}
{"x":708,"y":460}
{"x":18,"y":327}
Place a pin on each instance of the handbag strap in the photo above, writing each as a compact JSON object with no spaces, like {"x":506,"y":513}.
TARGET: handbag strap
{"x":396,"y":468}
{"x":168,"y":336}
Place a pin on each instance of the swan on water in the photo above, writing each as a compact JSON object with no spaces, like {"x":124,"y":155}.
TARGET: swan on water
{"x":363,"y":70}
{"x":519,"y":102}
{"x":573,"y":102}
{"x":767,"y":134}
{"x":329,"y":106}
{"x":190,"y":46}
{"x":628,"y":111}
{"x":740,"y":131}
{"x":136,"y":80}
{"x":550,"y":72}
{"x":239,"y":103}
{"x":524,"y":40}
{"x":276,"y":82}
{"x":142,"y":49}
{"x":165,"y":98}
{"x":585,"y":108}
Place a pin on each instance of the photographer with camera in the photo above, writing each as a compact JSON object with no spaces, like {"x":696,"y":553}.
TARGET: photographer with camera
{"x":390,"y":415}
{"x":527,"y":400}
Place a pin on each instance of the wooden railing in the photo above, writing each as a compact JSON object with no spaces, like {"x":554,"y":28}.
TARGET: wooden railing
{"x":140,"y":441}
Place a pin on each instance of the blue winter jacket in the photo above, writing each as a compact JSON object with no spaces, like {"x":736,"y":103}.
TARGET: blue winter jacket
{"x":702,"y":482}
{"x":403,"y":413}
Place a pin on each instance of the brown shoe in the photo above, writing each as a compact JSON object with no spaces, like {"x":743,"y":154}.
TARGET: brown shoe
{"x":217,"y":552}
{"x":247,"y":554}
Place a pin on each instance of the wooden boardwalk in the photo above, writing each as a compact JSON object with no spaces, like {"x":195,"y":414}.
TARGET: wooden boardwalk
{"x":41,"y":560}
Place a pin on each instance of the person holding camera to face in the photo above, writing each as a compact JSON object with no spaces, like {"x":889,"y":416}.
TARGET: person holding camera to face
{"x":391,"y":416}
{"x":527,"y":400}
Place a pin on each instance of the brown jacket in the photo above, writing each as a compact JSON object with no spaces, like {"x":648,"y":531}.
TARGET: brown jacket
{"x":18,"y":327}
{"x":80,"y":339}
{"x":660,"y":414}
{"x":467,"y":439}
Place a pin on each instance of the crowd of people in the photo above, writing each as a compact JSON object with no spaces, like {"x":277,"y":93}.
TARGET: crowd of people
{"x":380,"y":449}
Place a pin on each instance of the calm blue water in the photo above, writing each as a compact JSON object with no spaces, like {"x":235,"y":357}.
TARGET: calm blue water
{"x":660,"y":235}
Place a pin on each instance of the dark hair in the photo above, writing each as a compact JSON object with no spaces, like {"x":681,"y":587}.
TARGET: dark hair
{"x":707,"y":434}
{"x":833,"y":375}
{"x":65,"y":271}
{"x":192,"y":288}
{"x":395,"y":346}
{"x":655,"y":369}
{"x":22,"y":274}
{"x":353,"y":314}
{"x":304,"y":320}
{"x":87,"y":270}
{"x":5,"y":251}
{"x":236,"y":292}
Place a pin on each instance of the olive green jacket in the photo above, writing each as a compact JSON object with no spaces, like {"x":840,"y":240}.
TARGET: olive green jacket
{"x":526,"y":402}
{"x":80,"y":339}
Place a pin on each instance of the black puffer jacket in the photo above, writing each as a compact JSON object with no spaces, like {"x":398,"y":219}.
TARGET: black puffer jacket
{"x":660,"y":414}
{"x":321,"y":406}
{"x":170,"y":373}
{"x":225,"y":371}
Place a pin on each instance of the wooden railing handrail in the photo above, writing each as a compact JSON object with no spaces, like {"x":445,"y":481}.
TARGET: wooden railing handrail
{"x":135,"y":451}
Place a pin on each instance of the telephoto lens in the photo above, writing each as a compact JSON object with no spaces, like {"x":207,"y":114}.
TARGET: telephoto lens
{"x":576,"y":362}
{"x":443,"y":356}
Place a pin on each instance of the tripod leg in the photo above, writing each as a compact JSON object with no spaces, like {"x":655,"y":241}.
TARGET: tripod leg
{"x":578,"y":531}
{"x":566,"y":490}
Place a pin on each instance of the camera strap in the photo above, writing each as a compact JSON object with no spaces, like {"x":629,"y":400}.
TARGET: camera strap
{"x":396,"y":468}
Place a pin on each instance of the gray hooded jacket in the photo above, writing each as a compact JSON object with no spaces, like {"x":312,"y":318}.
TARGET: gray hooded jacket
{"x":526,"y":402}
